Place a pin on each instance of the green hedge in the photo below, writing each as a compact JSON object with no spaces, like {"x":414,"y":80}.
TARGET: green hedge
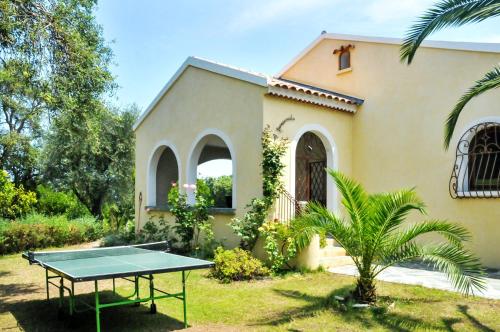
{"x":39,"y":231}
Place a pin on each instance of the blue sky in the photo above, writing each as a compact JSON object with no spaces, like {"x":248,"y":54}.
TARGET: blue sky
{"x":151,"y":38}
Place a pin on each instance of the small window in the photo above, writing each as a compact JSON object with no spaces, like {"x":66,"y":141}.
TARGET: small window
{"x":344,"y":56}
{"x":345,"y":60}
{"x":477,"y":167}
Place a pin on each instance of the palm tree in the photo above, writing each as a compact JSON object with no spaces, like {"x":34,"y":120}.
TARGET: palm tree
{"x":454,"y":13}
{"x":372,"y":235}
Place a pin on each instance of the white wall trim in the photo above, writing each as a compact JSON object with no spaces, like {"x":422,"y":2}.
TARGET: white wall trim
{"x":215,"y":67}
{"x":153,"y":165}
{"x":194,"y":156}
{"x":332,"y":161}
{"x":450,"y":45}
{"x":462,"y":162}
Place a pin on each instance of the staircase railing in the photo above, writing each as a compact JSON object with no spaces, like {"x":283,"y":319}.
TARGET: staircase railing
{"x":286,"y":207}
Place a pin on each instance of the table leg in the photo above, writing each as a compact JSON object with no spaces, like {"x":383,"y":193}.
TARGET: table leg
{"x":47,"y":282}
{"x":97,"y":313}
{"x":152,"y":294}
{"x":72,"y":299}
{"x":61,"y":292}
{"x":184,"y":298}
{"x":137,"y":291}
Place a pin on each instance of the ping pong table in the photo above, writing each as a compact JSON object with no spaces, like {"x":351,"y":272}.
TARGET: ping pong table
{"x":131,"y":263}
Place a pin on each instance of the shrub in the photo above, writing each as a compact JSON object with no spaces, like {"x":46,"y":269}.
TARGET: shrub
{"x":117,"y":215}
{"x":279,"y":244}
{"x":14,"y":201}
{"x":38,"y":231}
{"x":151,"y":232}
{"x":220,"y":188}
{"x":236,"y":264}
{"x":191,"y":221}
{"x":53,"y":203}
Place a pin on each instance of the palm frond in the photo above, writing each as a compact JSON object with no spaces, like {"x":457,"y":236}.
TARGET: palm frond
{"x":491,"y":80}
{"x":317,"y":220}
{"x":454,"y":233}
{"x":462,"y":268}
{"x":391,"y":209}
{"x":446,"y":13}
{"x":354,"y":199}
{"x":407,"y":252}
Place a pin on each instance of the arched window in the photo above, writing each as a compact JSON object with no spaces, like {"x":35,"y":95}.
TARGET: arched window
{"x":344,"y":54}
{"x":477,"y":167}
{"x":212,"y":162}
{"x":345,"y":60}
{"x":163,"y":173}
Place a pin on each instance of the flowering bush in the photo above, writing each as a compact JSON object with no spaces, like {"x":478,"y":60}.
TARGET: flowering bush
{"x":279,"y":244}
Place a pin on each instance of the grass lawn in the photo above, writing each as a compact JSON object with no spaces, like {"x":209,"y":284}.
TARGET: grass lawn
{"x":297,"y":302}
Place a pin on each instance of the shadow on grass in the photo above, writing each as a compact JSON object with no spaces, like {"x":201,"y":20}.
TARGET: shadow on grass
{"x":369,"y":318}
{"x":12,"y":290}
{"x":464,"y":309}
{"x":40,"y":315}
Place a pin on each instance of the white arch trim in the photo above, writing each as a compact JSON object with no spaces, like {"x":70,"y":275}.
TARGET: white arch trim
{"x":194,"y":156}
{"x":462,"y":162}
{"x":153,"y":165}
{"x":331,"y":160}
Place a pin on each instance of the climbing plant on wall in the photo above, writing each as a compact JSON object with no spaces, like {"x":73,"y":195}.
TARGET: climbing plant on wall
{"x":273,"y":150}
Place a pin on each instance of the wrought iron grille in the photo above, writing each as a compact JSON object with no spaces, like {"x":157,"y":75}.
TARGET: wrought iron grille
{"x":476,"y":172}
{"x":318,"y":182}
{"x":310,"y":174}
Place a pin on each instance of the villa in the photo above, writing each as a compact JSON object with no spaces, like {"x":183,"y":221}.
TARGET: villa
{"x":345,"y":102}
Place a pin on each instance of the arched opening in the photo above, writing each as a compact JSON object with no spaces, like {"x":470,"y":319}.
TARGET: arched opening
{"x":163,"y":173}
{"x":310,"y":169}
{"x":212,"y":162}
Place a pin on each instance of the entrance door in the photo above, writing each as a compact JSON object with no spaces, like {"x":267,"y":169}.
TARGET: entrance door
{"x":317,"y":182}
{"x":310,"y":173}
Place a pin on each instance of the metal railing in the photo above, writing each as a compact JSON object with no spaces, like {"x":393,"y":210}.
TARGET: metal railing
{"x":285,"y":207}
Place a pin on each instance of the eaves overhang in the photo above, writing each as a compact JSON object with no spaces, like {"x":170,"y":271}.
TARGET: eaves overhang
{"x":313,"y":95}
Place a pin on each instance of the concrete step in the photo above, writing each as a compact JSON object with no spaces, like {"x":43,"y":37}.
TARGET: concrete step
{"x":329,"y":262}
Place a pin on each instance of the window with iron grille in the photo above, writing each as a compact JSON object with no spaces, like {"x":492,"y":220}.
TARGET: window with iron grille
{"x":476,"y":172}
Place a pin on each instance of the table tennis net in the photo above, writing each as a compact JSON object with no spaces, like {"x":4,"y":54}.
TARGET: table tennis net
{"x":45,"y":257}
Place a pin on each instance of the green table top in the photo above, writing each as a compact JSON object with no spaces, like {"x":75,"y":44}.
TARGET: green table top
{"x":113,"y":262}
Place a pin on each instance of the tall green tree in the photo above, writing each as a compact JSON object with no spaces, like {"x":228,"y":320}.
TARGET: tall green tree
{"x":372,"y":234}
{"x":53,"y":60}
{"x":454,"y":13}
{"x":92,"y":154}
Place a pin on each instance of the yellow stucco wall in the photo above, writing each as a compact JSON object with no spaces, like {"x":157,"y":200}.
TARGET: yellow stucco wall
{"x":397,"y":137}
{"x":199,"y":100}
{"x":313,"y":118}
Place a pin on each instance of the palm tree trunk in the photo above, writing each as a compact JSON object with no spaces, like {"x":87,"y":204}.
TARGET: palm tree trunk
{"x":365,"y":291}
